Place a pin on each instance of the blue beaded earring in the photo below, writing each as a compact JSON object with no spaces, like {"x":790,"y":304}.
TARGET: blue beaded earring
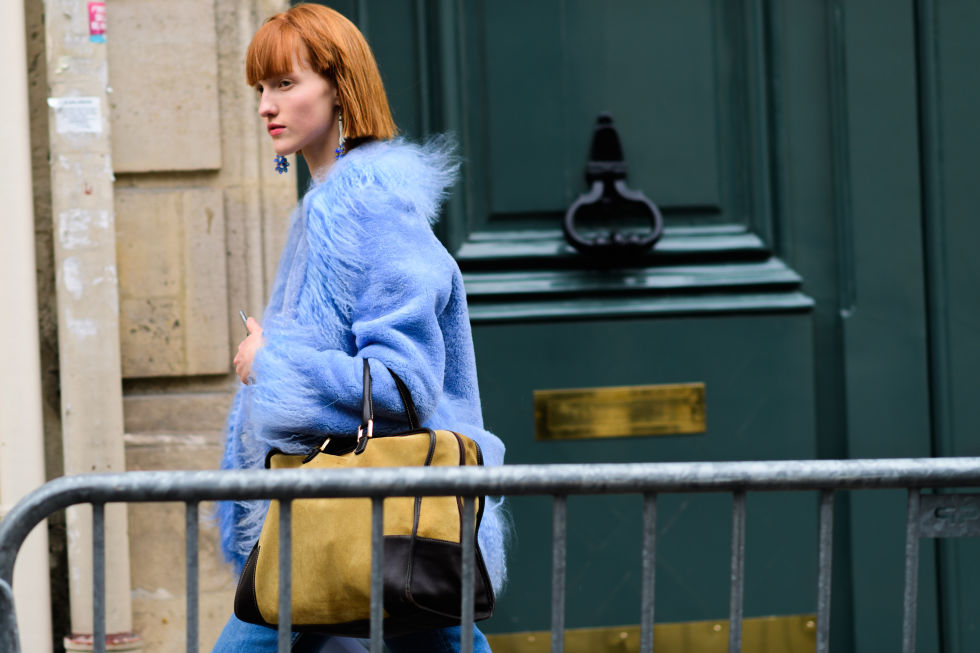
{"x":282,"y":164}
{"x":340,"y":151}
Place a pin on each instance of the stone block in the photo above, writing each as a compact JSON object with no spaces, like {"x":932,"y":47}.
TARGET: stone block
{"x":183,"y":412}
{"x":170,"y":247}
{"x":163,"y":72}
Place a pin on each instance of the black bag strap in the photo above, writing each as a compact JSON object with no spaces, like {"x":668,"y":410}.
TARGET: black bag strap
{"x":366,"y":430}
{"x":410,"y":411}
{"x":367,"y":401}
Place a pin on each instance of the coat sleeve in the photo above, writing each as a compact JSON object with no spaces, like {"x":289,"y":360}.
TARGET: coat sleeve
{"x":398,"y":295}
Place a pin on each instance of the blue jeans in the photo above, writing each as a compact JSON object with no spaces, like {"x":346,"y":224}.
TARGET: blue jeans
{"x":239,"y":636}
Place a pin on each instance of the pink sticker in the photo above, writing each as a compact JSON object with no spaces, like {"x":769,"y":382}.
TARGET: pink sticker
{"x":96,"y":21}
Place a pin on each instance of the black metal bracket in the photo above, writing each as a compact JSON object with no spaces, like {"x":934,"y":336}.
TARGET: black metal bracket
{"x":607,"y":197}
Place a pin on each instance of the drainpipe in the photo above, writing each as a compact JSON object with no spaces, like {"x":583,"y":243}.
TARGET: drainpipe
{"x":88,"y":304}
{"x":21,"y":432}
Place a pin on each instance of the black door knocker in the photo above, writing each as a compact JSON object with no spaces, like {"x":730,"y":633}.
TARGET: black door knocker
{"x":611,"y":220}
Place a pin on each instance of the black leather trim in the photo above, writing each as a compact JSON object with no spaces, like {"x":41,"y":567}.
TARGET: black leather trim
{"x":367,"y":400}
{"x":410,"y":410}
{"x":459,"y":499}
{"x":432,"y":449}
{"x":481,"y":500}
{"x":246,"y":605}
{"x":378,"y":436}
{"x":436,"y":594}
{"x":416,"y":518}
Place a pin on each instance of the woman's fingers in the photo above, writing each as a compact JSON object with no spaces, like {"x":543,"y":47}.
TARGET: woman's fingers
{"x":243,"y":370}
{"x":247,"y":349}
{"x":240,"y":362}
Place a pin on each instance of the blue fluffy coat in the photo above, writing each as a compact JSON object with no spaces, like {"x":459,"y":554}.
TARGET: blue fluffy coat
{"x":362,"y":276}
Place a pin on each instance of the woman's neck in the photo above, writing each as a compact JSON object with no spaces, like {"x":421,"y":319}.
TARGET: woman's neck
{"x":320,"y":156}
{"x":319,"y":163}
{"x":319,"y":171}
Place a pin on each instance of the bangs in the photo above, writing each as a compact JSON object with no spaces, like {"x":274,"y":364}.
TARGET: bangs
{"x":271,"y":51}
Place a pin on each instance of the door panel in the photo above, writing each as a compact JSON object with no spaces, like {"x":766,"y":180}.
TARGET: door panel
{"x":758,"y":376}
{"x":950,"y":141}
{"x":881,"y":299}
{"x":679,"y":79}
{"x":552,"y":72}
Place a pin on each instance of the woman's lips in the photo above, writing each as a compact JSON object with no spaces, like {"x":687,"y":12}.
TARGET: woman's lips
{"x":275,"y":130}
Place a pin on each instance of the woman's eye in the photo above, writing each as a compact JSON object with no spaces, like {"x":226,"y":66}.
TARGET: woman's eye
{"x":285,"y":83}
{"x":258,"y":89}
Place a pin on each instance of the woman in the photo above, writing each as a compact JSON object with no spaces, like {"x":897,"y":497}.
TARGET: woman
{"x":361,"y":276}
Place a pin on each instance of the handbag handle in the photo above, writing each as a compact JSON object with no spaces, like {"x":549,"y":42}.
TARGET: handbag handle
{"x":411,"y":413}
{"x":366,"y":430}
{"x":367,"y":402}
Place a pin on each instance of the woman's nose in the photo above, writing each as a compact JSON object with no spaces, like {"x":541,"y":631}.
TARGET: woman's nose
{"x":266,"y":106}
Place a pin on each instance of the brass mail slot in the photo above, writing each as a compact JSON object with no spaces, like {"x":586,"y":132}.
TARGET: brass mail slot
{"x":620,"y":411}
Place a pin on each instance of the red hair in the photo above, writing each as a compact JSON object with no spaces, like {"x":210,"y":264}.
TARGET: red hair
{"x":334,"y":48}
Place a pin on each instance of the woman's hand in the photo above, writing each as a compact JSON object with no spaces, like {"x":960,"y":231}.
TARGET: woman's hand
{"x":247,"y":349}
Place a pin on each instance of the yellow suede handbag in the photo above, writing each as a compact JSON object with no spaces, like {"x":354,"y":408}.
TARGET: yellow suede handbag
{"x":331,"y":539}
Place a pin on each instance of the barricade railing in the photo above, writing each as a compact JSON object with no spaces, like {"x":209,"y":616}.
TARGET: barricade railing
{"x":927,"y":515}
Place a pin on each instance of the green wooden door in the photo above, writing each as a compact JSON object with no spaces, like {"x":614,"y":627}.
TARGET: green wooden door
{"x":813,"y":165}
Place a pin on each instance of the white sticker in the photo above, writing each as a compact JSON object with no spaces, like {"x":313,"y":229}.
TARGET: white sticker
{"x":77,"y":115}
{"x":82,"y":229}
{"x":72,"y":277}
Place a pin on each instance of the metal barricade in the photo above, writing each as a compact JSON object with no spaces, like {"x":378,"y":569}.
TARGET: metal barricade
{"x":928,"y":515}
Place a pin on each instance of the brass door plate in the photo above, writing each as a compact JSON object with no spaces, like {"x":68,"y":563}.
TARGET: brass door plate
{"x":620,"y":411}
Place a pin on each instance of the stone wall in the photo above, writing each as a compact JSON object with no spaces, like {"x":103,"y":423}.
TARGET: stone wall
{"x":200,"y":219}
{"x":201,"y":216}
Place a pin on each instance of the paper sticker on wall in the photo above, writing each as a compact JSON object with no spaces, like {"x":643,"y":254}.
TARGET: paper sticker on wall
{"x":77,"y":115}
{"x":96,"y":21}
